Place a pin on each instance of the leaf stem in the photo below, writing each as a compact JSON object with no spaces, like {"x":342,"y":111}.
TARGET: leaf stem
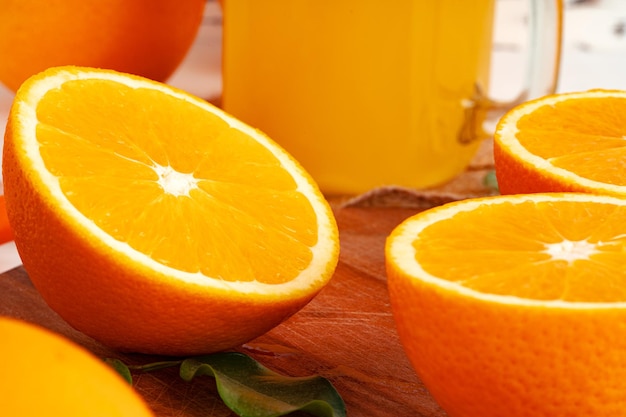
{"x":154,"y":366}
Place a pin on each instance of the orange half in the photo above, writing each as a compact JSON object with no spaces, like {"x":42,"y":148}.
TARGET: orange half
{"x":153,"y":221}
{"x":515,"y":305}
{"x":564,"y":142}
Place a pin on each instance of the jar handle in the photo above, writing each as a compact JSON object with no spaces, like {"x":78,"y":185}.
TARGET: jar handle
{"x":543,"y":64}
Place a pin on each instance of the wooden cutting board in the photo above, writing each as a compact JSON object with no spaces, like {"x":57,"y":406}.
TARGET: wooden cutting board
{"x":346,"y":334}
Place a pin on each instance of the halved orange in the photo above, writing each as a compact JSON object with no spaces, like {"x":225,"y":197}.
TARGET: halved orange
{"x":515,"y":305}
{"x":564,"y":142}
{"x":45,"y":374}
{"x":153,"y":221}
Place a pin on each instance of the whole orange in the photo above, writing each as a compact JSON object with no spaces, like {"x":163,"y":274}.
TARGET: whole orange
{"x":44,"y":374}
{"x":144,"y":37}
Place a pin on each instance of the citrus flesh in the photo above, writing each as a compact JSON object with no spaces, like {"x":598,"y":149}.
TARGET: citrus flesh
{"x":44,"y":374}
{"x":515,"y":305}
{"x":155,"y":222}
{"x":564,"y":142}
{"x":144,"y":37}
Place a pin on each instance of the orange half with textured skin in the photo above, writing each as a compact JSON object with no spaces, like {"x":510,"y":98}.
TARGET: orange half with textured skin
{"x":564,"y":142}
{"x":515,"y":305}
{"x":44,"y":374}
{"x":154,"y":222}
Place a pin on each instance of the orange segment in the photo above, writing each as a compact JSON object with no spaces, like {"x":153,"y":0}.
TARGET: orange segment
{"x":569,"y":143}
{"x":158,"y":195}
{"x":515,"y":305}
{"x":564,"y":142}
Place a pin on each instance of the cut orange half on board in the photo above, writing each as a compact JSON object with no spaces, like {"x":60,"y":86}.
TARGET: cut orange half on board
{"x":44,"y":374}
{"x":564,"y":142}
{"x":155,"y":222}
{"x":515,"y":305}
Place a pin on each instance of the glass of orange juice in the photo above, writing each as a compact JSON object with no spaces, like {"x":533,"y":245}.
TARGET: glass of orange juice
{"x":367,"y":93}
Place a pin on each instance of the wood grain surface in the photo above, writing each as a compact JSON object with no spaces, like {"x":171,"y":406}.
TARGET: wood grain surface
{"x":346,"y":334}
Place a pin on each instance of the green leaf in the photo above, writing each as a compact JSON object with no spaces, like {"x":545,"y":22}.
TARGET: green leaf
{"x":251,"y":390}
{"x":121,"y":368}
{"x":490,"y":180}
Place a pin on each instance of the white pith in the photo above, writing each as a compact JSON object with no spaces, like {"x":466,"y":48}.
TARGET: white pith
{"x":507,"y":131}
{"x":174,"y":183}
{"x":571,"y":251}
{"x":403,"y":254}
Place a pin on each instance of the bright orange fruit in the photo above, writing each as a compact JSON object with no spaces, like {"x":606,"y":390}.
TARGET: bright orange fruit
{"x":144,"y":37}
{"x":515,"y":305}
{"x":44,"y":374}
{"x":6,"y":234}
{"x":155,"y":222}
{"x":564,"y":142}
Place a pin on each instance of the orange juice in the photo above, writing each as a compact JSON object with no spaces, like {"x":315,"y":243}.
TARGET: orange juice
{"x":364,"y":93}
